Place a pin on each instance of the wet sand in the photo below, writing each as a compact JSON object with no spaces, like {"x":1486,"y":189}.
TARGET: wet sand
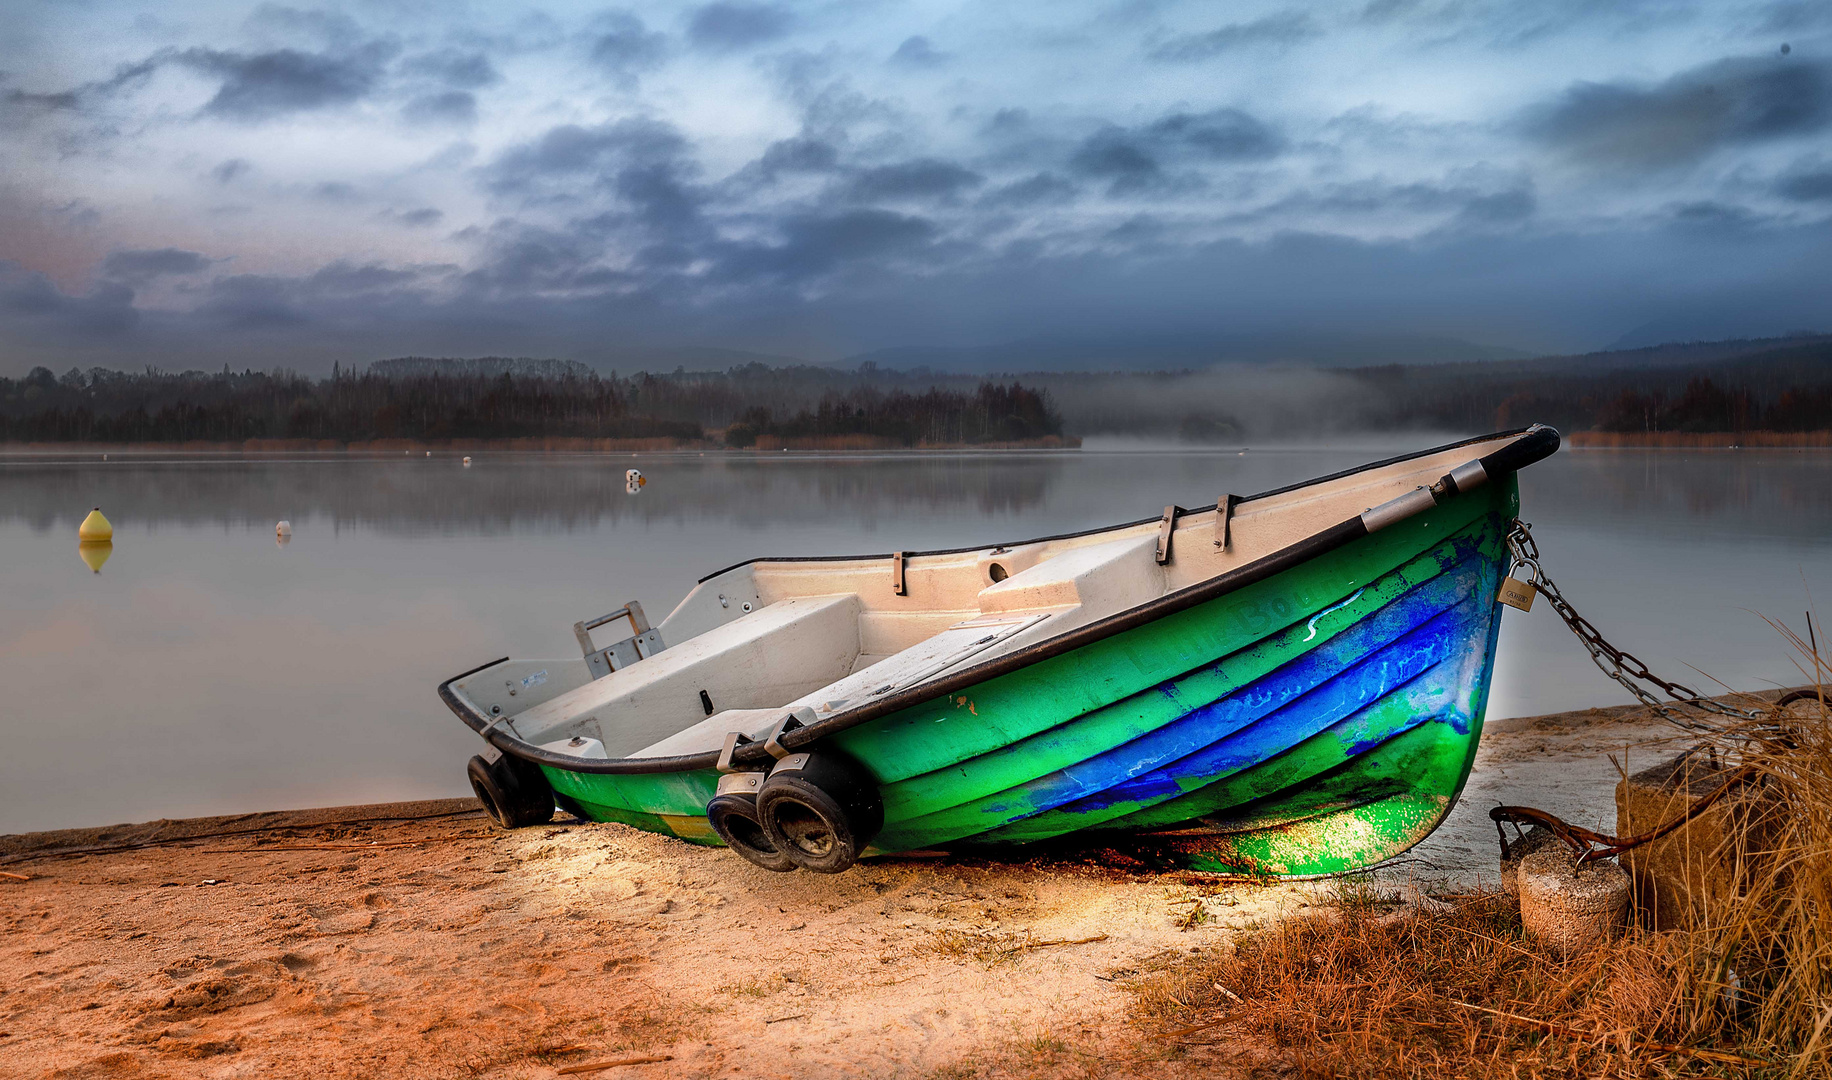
{"x":321,"y":944}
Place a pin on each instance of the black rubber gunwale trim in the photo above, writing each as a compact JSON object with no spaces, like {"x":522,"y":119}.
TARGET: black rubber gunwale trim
{"x":1546,"y":442}
{"x":1124,"y":524}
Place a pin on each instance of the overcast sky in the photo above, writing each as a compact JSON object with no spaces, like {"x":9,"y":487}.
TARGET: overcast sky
{"x":201,"y":183}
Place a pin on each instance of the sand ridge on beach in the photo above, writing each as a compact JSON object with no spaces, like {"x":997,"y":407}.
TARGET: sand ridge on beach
{"x":440,"y":946}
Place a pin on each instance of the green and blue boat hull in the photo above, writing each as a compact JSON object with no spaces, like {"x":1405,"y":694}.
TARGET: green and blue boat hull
{"x":1314,"y":721}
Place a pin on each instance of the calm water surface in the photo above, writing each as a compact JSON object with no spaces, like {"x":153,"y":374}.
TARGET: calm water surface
{"x":206,"y":669}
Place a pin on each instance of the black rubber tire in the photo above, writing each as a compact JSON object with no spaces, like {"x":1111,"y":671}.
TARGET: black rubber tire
{"x":734,"y":818}
{"x":513,"y":792}
{"x":820,"y":815}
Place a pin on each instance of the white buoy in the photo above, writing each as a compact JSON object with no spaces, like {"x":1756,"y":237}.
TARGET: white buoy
{"x":285,"y":528}
{"x":467,"y":462}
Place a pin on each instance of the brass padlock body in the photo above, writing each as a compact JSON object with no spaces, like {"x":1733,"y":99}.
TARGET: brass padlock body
{"x":1517,"y":594}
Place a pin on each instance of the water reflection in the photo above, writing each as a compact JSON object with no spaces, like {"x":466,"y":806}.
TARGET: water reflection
{"x":505,"y":494}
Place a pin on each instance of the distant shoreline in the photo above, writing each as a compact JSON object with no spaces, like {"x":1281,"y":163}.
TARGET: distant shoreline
{"x":1587,"y":440}
{"x":765,"y":444}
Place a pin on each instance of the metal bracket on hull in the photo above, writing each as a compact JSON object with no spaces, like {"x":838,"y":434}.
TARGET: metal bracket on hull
{"x":800,"y":718}
{"x":899,"y":586}
{"x":1165,"y":528}
{"x":1224,"y":520}
{"x":647,"y":642}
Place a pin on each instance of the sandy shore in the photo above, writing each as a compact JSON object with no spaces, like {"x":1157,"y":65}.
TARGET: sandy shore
{"x":330,"y":942}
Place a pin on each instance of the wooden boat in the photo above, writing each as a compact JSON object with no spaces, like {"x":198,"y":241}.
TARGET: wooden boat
{"x":1288,"y":683}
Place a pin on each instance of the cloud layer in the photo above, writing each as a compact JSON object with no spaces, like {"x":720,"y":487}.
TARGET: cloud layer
{"x":267,"y":184}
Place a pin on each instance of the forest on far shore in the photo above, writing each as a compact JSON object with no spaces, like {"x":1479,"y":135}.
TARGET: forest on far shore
{"x":422,"y":402}
{"x":1777,"y":385}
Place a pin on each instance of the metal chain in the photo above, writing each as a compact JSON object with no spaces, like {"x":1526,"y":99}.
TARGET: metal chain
{"x":1621,"y":666}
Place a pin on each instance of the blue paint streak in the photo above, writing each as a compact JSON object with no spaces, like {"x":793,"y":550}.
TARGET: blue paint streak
{"x":1439,"y":639}
{"x":1135,"y":766}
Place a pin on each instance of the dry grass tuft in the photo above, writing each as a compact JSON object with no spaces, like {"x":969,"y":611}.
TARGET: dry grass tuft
{"x":1460,"y":991}
{"x":1356,"y":993}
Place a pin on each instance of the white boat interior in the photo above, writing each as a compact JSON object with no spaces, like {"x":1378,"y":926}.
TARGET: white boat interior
{"x":829,"y":634}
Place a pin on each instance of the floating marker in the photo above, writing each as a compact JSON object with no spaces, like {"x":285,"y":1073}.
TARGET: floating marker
{"x":429,"y":453}
{"x":95,"y":528}
{"x":633,"y":480}
{"x":467,"y":463}
{"x":285,"y":528}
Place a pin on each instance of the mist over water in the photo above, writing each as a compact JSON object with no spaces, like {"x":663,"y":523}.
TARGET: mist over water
{"x":207,"y":669}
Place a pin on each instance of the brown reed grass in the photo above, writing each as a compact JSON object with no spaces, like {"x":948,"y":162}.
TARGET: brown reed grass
{"x":1458,"y":990}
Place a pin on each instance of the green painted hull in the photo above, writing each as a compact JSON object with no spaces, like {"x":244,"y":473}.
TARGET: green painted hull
{"x":1316,"y":721}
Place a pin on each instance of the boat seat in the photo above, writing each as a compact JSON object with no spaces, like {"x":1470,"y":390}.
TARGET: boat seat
{"x":1101,"y":578}
{"x":776,"y":653}
{"x":960,"y":644}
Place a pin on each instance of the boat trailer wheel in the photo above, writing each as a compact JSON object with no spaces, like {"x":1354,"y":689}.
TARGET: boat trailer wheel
{"x":820,"y":811}
{"x":733,"y":815}
{"x":514,"y":792}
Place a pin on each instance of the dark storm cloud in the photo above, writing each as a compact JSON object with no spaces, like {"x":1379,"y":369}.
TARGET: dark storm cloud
{"x":815,"y":244}
{"x":1712,"y":216}
{"x":125,"y":76}
{"x":732,"y":24}
{"x":1807,"y":181}
{"x":1499,"y":208}
{"x":455,"y":68}
{"x":139,"y":266}
{"x":918,"y":51}
{"x":1690,"y":115}
{"x":1282,"y":28}
{"x":253,"y":302}
{"x":229,"y":170}
{"x":108,"y":309}
{"x":61,"y":101}
{"x":624,"y":44}
{"x":27,"y":293}
{"x":449,"y":107}
{"x":1117,"y":155}
{"x":1133,"y":159}
{"x":523,"y":261}
{"x":344,"y":278}
{"x":1038,"y":190}
{"x":1460,"y":207}
{"x":922,"y":178}
{"x":1223,"y":135}
{"x":260,"y":86}
{"x":572,"y":150}
{"x":799,"y":155}
{"x":643,"y":165}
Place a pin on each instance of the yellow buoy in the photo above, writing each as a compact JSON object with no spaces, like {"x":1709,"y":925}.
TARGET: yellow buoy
{"x":95,"y":528}
{"x":94,"y":553}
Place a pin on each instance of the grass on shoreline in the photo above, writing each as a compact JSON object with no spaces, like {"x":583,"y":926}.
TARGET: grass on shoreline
{"x":1456,"y":989}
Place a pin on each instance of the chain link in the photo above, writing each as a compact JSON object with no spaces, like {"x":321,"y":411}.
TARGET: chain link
{"x":1623,"y":667}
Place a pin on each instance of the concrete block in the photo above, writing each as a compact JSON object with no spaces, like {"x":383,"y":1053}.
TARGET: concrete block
{"x":1572,"y":910}
{"x":1687,"y":877}
{"x":1536,"y":838}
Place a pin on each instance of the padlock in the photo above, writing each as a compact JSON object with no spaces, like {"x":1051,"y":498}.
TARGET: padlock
{"x":1517,"y":594}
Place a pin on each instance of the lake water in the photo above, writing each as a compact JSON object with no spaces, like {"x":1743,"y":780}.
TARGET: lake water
{"x":207,"y":669}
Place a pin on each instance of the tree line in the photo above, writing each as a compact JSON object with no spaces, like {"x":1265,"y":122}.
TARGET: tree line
{"x":475,"y":402}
